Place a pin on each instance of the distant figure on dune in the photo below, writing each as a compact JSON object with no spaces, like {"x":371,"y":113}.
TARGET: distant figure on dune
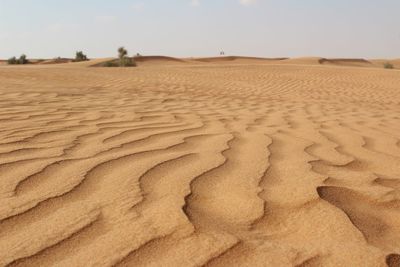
{"x":222,"y":53}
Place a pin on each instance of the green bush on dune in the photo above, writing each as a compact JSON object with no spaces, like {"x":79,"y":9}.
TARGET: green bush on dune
{"x":80,"y":56}
{"x":123,"y":60}
{"x":14,"y":61}
{"x":22,"y":60}
{"x":110,"y":64}
{"x":388,"y":65}
{"x":122,"y":52}
{"x":127,"y":62}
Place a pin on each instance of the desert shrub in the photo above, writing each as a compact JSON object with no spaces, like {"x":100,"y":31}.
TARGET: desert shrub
{"x":122,"y":52}
{"x":80,"y":56}
{"x":388,"y":65}
{"x":12,"y":61}
{"x":124,"y":60}
{"x":127,"y":62}
{"x":22,"y":59}
{"x":110,"y":64}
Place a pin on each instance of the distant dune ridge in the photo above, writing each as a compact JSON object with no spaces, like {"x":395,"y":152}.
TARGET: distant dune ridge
{"x":165,"y":60}
{"x":227,"y":161}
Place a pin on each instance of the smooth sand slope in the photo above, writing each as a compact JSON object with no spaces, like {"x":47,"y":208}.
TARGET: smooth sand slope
{"x":211,"y":164}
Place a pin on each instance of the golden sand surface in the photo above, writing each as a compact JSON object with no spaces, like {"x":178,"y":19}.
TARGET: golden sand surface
{"x":214,"y":164}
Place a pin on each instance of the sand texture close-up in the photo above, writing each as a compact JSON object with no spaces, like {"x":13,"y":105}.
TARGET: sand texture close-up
{"x":200,"y":162}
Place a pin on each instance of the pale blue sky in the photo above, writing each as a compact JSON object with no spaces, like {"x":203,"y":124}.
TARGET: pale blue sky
{"x":268,"y":28}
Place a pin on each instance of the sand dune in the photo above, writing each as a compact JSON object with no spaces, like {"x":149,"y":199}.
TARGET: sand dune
{"x":294,"y":163}
{"x":354,"y":62}
{"x":381,"y":62}
{"x":168,"y":61}
{"x":55,"y":61}
{"x":236,"y":59}
{"x":145,"y":61}
{"x":142,"y":60}
{"x":303,"y":61}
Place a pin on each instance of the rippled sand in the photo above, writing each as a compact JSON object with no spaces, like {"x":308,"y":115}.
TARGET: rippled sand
{"x":211,"y":164}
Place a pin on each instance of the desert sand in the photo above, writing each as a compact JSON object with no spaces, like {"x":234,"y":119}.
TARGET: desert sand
{"x":200,"y":162}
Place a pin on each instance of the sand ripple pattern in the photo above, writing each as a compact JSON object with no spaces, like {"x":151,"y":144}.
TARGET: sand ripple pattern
{"x":227,"y":165}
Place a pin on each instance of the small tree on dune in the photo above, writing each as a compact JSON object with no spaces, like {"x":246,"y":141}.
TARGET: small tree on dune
{"x":388,"y":65}
{"x":80,"y":56}
{"x":122,"y":53}
{"x":124,"y":60}
{"x":12,"y":61}
{"x":22,"y":59}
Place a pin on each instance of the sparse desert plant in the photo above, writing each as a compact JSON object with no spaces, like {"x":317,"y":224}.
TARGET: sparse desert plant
{"x":122,"y":54}
{"x":22,"y":60}
{"x":124,"y":60}
{"x":110,"y":64}
{"x":80,"y":56}
{"x":388,"y":65}
{"x":12,"y":61}
{"x":127,"y":62}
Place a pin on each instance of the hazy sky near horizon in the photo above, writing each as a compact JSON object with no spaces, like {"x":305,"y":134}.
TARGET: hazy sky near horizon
{"x":183,"y":28}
